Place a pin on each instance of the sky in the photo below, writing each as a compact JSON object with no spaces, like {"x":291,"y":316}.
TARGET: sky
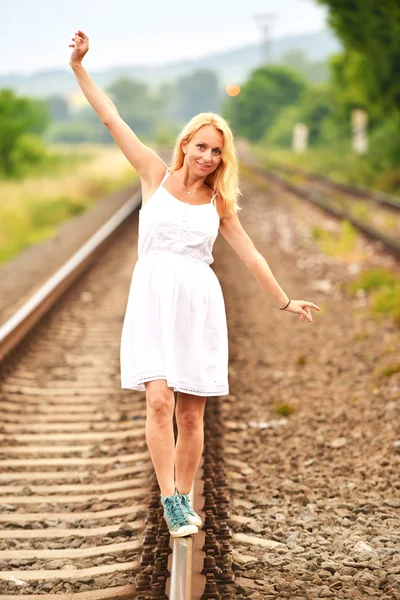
{"x":35,"y":34}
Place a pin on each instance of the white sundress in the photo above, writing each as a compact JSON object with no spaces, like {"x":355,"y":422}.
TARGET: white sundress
{"x":175,"y":322}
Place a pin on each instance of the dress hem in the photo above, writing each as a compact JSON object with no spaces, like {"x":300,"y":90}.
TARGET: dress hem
{"x":138,"y":385}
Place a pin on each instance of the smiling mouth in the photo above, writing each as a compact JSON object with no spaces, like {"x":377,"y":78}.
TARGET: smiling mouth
{"x":203,"y":166}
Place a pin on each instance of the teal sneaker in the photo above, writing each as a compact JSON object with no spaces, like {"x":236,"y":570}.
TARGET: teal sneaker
{"x":177,"y":523}
{"x":192,"y":516}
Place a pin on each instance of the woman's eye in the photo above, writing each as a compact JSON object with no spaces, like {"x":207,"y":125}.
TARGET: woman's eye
{"x":203,"y":146}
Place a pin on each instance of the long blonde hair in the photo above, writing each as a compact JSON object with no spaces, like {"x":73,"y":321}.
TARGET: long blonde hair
{"x":225,"y":179}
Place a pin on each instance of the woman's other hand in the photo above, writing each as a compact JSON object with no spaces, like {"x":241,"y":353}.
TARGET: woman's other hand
{"x":302,"y":308}
{"x":80,"y":47}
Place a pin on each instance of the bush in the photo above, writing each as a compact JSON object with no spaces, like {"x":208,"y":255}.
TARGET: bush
{"x":281,"y":132}
{"x":384,"y":144}
{"x":316,"y":110}
{"x":19,"y":117}
{"x":28,"y":152}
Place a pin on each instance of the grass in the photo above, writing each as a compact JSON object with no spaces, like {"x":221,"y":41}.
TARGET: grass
{"x":32,"y":208}
{"x":284,"y":409}
{"x":360,"y":210}
{"x":301,"y":360}
{"x":383,"y":288}
{"x":372,"y":279}
{"x":388,"y":370}
{"x":249,"y":175}
{"x":342,"y":243}
{"x":339,"y":164}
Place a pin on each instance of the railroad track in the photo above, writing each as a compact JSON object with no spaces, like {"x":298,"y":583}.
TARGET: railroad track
{"x":80,"y":507}
{"x":321,"y":191}
{"x":79,"y":503}
{"x":380,"y":198}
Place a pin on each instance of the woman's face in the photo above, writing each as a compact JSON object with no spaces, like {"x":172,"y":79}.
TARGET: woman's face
{"x":204,"y":151}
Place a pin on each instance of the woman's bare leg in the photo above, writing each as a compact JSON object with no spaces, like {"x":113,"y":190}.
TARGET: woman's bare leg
{"x":189,"y":414}
{"x":160,"y":401}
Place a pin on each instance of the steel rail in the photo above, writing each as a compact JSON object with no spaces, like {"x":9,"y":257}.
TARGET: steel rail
{"x":187,"y":557}
{"x":180,"y":582}
{"x":390,"y":244}
{"x":13,"y":331}
{"x":387,"y":200}
{"x":25,"y":318}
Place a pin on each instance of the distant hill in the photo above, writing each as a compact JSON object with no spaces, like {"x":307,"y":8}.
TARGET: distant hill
{"x":232,"y":66}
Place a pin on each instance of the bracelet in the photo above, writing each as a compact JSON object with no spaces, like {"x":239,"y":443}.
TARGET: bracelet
{"x":285,"y":306}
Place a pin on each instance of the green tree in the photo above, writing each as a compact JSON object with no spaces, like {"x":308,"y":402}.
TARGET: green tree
{"x":315,"y":106}
{"x":370,"y":32}
{"x":19,"y":116}
{"x":262,"y":97}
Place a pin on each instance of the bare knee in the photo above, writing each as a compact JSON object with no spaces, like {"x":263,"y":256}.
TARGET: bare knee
{"x":189,"y":420}
{"x":160,"y":405}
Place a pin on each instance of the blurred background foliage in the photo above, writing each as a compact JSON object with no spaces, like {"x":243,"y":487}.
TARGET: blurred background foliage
{"x":293,"y":88}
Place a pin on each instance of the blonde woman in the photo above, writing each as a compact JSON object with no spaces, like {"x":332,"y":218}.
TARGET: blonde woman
{"x":174,"y":336}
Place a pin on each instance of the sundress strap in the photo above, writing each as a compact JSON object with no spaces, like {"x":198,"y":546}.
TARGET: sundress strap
{"x":165,"y":177}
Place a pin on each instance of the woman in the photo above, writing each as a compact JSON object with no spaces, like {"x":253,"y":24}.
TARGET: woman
{"x":174,"y":336}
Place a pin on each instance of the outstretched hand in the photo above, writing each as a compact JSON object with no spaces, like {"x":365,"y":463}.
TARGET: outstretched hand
{"x":302,"y":308}
{"x":80,"y":46}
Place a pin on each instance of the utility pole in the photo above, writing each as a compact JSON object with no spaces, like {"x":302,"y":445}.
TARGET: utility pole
{"x":265,"y":21}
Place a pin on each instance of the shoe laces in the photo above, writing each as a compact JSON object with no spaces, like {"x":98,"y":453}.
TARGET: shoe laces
{"x":186,"y":502}
{"x":174,"y":512}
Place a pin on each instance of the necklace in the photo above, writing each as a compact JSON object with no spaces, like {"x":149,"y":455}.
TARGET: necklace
{"x":182,"y":183}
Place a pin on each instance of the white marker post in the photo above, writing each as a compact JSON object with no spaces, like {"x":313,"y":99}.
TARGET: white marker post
{"x":359,"y":122}
{"x":300,"y":137}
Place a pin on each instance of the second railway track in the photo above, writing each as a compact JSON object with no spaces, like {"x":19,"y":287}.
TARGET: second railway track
{"x":375,"y":215}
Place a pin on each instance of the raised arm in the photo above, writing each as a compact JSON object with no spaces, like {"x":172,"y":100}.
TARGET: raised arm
{"x":146,"y":162}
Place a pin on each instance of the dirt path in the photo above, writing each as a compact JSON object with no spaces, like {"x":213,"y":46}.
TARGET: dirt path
{"x":321,"y":486}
